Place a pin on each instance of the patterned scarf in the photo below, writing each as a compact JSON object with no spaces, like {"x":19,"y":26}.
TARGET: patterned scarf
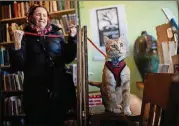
{"x":34,"y":29}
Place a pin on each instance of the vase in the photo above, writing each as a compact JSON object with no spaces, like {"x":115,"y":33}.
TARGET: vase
{"x":145,"y":54}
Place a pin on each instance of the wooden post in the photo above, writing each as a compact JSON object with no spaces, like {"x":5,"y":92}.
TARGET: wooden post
{"x":79,"y":79}
{"x":82,"y":72}
{"x":79,"y":67}
{"x":82,"y":78}
{"x":85,"y":76}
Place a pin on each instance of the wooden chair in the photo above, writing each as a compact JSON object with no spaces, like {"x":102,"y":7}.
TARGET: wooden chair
{"x":157,"y":106}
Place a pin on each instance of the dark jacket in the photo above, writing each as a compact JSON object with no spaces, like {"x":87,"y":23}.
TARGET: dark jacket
{"x":32,"y":59}
{"x":45,"y":84}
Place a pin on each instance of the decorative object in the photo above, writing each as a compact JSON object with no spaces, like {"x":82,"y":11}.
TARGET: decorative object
{"x":145,"y":54}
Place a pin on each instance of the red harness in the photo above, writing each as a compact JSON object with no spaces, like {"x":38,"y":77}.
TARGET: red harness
{"x":116,"y":70}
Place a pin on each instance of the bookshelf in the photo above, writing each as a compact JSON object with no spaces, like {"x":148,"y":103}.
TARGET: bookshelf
{"x":61,"y":12}
{"x":52,"y":15}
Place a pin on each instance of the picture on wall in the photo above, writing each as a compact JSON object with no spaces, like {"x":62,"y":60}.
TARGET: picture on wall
{"x":108,"y":23}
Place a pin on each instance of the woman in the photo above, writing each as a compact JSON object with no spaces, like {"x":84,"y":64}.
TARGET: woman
{"x":48,"y":89}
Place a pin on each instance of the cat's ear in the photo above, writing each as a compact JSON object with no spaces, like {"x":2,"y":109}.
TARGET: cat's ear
{"x":121,"y":39}
{"x":106,"y":40}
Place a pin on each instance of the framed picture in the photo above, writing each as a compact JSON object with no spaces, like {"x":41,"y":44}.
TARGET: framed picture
{"x":108,"y":24}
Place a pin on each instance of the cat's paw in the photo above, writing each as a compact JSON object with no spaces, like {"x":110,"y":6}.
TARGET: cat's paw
{"x":127,"y":111}
{"x":119,"y":107}
{"x":116,"y":110}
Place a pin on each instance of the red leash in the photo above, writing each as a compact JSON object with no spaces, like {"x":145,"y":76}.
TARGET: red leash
{"x":57,"y":36}
{"x":52,"y":36}
{"x":96,"y":47}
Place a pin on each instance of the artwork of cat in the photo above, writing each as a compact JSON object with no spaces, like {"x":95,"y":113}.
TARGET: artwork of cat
{"x":115,"y":88}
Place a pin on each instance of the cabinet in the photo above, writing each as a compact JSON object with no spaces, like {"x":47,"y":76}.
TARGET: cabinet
{"x":12,"y":17}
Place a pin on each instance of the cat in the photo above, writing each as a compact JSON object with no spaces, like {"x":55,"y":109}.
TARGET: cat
{"x":115,"y":88}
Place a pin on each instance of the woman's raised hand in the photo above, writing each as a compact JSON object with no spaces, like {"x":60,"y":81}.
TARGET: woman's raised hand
{"x":18,"y":34}
{"x":73,"y":30}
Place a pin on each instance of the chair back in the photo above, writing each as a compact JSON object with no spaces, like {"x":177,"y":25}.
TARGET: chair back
{"x":155,"y":98}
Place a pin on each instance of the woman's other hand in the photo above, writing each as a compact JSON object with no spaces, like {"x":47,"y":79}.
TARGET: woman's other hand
{"x":18,"y":34}
{"x":73,"y":30}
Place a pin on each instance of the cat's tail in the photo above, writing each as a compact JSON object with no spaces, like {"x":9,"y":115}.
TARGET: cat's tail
{"x":96,"y":84}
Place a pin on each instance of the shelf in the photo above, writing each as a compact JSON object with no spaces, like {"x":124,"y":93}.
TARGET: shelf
{"x":14,"y":117}
{"x":14,"y":19}
{"x":6,"y":43}
{"x":52,"y":15}
{"x":5,"y":67}
{"x":12,"y":93}
{"x":57,"y":14}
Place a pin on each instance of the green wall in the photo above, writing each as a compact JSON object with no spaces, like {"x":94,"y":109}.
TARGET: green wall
{"x":140,"y":15}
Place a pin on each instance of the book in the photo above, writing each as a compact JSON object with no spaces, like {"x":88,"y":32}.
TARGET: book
{"x":73,"y":69}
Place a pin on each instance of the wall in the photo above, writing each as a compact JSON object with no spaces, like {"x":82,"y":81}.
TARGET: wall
{"x":140,"y":15}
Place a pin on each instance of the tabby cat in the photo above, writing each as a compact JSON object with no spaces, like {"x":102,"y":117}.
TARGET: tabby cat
{"x":115,"y":88}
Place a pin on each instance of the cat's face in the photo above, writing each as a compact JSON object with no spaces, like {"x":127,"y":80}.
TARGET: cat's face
{"x":114,"y":48}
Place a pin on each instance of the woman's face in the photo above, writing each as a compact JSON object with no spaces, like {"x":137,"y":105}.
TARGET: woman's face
{"x":40,"y":17}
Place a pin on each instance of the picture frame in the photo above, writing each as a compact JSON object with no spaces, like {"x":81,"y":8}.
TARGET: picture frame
{"x":108,"y":23}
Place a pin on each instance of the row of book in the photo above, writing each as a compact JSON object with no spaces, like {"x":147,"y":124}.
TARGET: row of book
{"x":64,"y":23}
{"x":13,"y":106}
{"x":13,"y":82}
{"x":4,"y":57}
{"x":20,"y":9}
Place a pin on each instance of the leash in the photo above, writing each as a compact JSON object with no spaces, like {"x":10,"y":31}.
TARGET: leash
{"x":96,"y":47}
{"x":57,"y":36}
{"x":50,"y":36}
